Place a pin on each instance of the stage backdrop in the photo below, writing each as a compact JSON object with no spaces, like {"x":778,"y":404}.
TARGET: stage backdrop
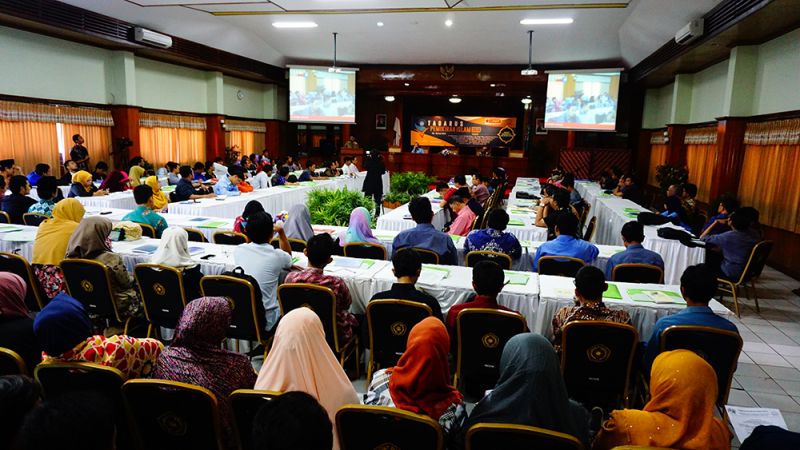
{"x":463,"y":131}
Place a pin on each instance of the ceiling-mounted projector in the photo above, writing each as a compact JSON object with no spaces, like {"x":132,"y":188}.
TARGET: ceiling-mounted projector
{"x":529,"y":72}
{"x":150,"y":37}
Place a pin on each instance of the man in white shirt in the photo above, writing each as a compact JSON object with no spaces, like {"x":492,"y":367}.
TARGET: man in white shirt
{"x":262,"y":180}
{"x":263,"y":262}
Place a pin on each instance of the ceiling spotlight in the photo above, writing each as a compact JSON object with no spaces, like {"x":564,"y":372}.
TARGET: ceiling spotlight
{"x":560,"y":21}
{"x":389,"y":98}
{"x":448,"y":23}
{"x":492,"y":85}
{"x":407,"y":84}
{"x":455,"y":99}
{"x":294,"y":24}
{"x":380,"y":24}
{"x":527,"y":101}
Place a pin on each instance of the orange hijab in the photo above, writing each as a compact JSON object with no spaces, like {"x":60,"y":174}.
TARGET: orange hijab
{"x":420,"y":381}
{"x":680,"y":413}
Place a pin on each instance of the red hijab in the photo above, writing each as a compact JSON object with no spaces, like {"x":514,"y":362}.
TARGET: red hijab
{"x":12,"y":296}
{"x":420,"y":381}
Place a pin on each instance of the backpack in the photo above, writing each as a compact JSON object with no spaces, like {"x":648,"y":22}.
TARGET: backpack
{"x":238,"y":272}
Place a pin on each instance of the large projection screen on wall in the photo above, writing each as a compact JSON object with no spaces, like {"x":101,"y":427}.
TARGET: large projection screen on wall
{"x":322,"y":95}
{"x":582,"y":100}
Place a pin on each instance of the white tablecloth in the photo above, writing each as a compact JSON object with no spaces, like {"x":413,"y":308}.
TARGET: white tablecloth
{"x":399,"y":219}
{"x":557,"y":292}
{"x":122,"y":200}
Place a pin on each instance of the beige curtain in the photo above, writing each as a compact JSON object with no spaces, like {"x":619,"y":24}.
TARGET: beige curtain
{"x":98,"y":142}
{"x":658,"y":155}
{"x":770,"y":183}
{"x":160,"y":145}
{"x":30,"y":143}
{"x":249,"y":142}
{"x":701,"y":159}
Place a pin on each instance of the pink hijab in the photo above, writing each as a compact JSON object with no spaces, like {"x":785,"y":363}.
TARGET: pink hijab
{"x":300,"y":360}
{"x":12,"y":296}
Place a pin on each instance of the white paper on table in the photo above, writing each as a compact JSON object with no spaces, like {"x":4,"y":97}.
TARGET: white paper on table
{"x":745,"y":420}
{"x":18,"y":236}
{"x":347,"y":263}
{"x":431,"y":276}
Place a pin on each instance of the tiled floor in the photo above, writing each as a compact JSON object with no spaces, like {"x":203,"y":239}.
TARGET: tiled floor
{"x":768,"y":374}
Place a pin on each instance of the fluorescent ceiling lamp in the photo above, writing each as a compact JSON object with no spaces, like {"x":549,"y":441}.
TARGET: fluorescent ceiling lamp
{"x":526,"y":101}
{"x":389,"y":98}
{"x":455,"y":99}
{"x":294,"y":24}
{"x":561,"y":21}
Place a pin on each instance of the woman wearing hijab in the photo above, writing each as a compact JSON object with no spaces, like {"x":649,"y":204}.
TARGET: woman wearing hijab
{"x":173,"y":251}
{"x":160,"y":199}
{"x":90,"y":241}
{"x":301,"y":360}
{"x":116,"y":181}
{"x":82,"y":186}
{"x":195,"y":357}
{"x":420,"y":382}
{"x":530,"y":391}
{"x":252,"y":207}
{"x":298,"y":225}
{"x":50,"y":245}
{"x":359,"y":228}
{"x":64,"y":332}
{"x":680,"y":413}
{"x":16,"y":324}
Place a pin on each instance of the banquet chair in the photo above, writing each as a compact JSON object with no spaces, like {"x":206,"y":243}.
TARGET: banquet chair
{"x":485,"y":218}
{"x":720,"y":349}
{"x":245,"y":404}
{"x":162,"y":295}
{"x":61,"y":377}
{"x":562,"y":266}
{"x":752,"y":270}
{"x":4,"y":217}
{"x":425,"y":255}
{"x":247,"y":313}
{"x":365,"y":250}
{"x":322,"y":301}
{"x":147,"y":230}
{"x":481,"y":334}
{"x":584,"y":215}
{"x":590,"y":229}
{"x":11,"y":363}
{"x":476,"y":256}
{"x":297,"y":245}
{"x":489,"y":436}
{"x":380,"y":427}
{"x":229,"y":238}
{"x":195,"y":235}
{"x":34,"y":219}
{"x":170,"y":414}
{"x":89,"y":282}
{"x":35,"y":299}
{"x":596,"y":362}
{"x":638,"y":273}
{"x":389,"y":322}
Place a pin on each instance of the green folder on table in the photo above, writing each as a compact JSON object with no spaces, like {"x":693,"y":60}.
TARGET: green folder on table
{"x":632,"y":210}
{"x":516,"y":223}
{"x":526,"y":243}
{"x":455,"y":238}
{"x":516,"y":278}
{"x":213,"y":224}
{"x":295,"y":259}
{"x":612,"y":292}
{"x":308,"y":183}
{"x":384,"y":237}
{"x":656,"y":296}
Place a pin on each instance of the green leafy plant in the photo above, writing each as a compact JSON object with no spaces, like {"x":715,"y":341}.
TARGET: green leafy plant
{"x":397,"y":197}
{"x":667,"y":175}
{"x":412,"y":183}
{"x":329,"y":207}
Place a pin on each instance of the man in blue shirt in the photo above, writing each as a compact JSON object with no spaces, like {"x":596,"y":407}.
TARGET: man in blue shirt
{"x":735,"y":245}
{"x":719,"y":224}
{"x":310,"y":173}
{"x":632,"y":237}
{"x":41,"y":170}
{"x":184,"y":190}
{"x":565,"y":243}
{"x":424,"y":235}
{"x":228,"y":185}
{"x":698,"y":286}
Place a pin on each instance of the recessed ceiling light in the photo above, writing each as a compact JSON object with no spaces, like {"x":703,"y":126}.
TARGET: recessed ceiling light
{"x":455,"y":99}
{"x":407,"y":84}
{"x":492,"y":85}
{"x":448,"y":23}
{"x":294,"y":24}
{"x":380,"y":24}
{"x":389,"y":98}
{"x":560,"y":21}
{"x":526,"y":101}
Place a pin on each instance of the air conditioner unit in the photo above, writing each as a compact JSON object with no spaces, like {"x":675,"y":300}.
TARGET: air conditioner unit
{"x":690,"y":32}
{"x":150,"y":37}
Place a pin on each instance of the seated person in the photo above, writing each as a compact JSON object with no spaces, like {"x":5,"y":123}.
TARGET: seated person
{"x":629,"y":189}
{"x":279,"y":178}
{"x":498,"y":178}
{"x":565,"y":244}
{"x":291,"y":421}
{"x":244,"y":185}
{"x":143,"y":195}
{"x":82,"y":186}
{"x":173,"y":251}
{"x":479,"y":190}
{"x":420,"y":382}
{"x":252,"y":207}
{"x":292,"y":165}
{"x":261,"y":180}
{"x":100,"y":171}
{"x":589,"y":287}
{"x":332,"y":169}
{"x":19,"y":395}
{"x":673,"y":207}
{"x":698,"y":286}
{"x":632,"y":238}
{"x":346,"y":167}
{"x":264,"y":262}
{"x":552,"y":208}
{"x":424,"y":235}
{"x":471,"y":202}
{"x":407,"y":267}
{"x":680,"y":413}
{"x":47,"y":191}
{"x":185,"y":190}
{"x":70,"y":169}
{"x":170,"y":172}
{"x":310,"y":173}
{"x":445,"y":191}
{"x":319,"y":250}
{"x":735,"y":246}
{"x":358,"y":229}
{"x":116,"y":181}
{"x":16,"y":323}
{"x":18,"y":203}
{"x":228,"y":185}
{"x":718,"y":224}
{"x":137,"y":171}
{"x":568,"y":183}
{"x":292,"y":180}
{"x":494,"y":238}
{"x":688,"y":198}
{"x":487,"y":280}
{"x":160,"y":199}
{"x":298,"y":225}
{"x":41,"y":170}
{"x":462,"y":225}
{"x":198,"y":172}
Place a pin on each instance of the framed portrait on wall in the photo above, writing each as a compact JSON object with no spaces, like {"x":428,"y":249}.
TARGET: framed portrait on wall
{"x":380,"y":121}
{"x":540,"y":129}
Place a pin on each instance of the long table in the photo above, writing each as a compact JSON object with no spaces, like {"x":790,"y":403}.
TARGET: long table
{"x":399,"y":219}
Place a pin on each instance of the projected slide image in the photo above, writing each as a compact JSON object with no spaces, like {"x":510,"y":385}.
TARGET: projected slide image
{"x":317,"y":95}
{"x":582,"y":101}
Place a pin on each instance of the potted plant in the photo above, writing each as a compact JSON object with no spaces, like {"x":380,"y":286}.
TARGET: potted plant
{"x":393,"y":200}
{"x":333,"y":207}
{"x":405,"y":186}
{"x":667,"y":175}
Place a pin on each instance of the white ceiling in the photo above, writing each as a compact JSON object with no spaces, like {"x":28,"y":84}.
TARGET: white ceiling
{"x":415,"y":34}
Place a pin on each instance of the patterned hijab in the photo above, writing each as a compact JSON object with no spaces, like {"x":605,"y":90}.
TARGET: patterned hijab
{"x":12,"y":296}
{"x":420,"y":382}
{"x":115,"y":181}
{"x":160,"y":199}
{"x":90,"y":239}
{"x":298,"y":225}
{"x":53,"y":234}
{"x":359,"y":229}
